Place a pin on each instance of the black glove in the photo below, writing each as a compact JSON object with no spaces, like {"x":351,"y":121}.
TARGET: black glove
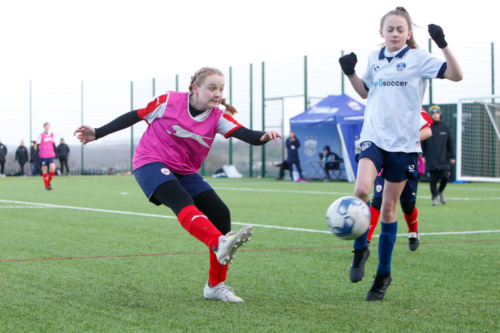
{"x":437,"y":35}
{"x":348,"y":62}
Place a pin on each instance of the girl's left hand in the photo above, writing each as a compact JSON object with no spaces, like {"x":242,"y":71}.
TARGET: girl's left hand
{"x":271,"y":135}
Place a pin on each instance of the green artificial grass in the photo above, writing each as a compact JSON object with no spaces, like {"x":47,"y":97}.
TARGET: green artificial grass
{"x":291,"y":280}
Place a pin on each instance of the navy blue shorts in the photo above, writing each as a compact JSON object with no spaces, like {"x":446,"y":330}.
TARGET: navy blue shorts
{"x":397,"y":166}
{"x":152,"y":175}
{"x":47,"y":161}
{"x":409,"y":192}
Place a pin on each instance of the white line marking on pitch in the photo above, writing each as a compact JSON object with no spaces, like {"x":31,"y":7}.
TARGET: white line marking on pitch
{"x":23,"y":207}
{"x":328,"y":193}
{"x":237,"y":223}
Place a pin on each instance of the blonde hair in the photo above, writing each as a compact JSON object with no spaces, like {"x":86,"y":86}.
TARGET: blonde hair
{"x":200,"y":76}
{"x":401,"y":11}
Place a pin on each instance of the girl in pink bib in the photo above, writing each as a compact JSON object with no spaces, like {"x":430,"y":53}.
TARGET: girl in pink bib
{"x":47,"y":155}
{"x":182,"y":128}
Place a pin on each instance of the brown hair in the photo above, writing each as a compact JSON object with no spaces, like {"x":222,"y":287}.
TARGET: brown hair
{"x":200,"y":76}
{"x":401,"y":11}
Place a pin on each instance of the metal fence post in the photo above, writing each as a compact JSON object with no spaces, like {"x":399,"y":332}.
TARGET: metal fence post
{"x":131,"y":127}
{"x":342,"y":74}
{"x":306,"y":102}
{"x":81,"y":147}
{"x":176,"y":82}
{"x":31,"y":118}
{"x":493,"y":71}
{"x":263,"y":172}
{"x":231,"y":103}
{"x":251,"y":120}
{"x":430,"y":80}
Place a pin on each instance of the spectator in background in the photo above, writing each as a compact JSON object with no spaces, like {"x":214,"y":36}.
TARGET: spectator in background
{"x":292,"y":145}
{"x":62,"y":154}
{"x":3,"y":154}
{"x":438,"y":155}
{"x":34,"y":158}
{"x":21,"y":157}
{"x":332,"y":162}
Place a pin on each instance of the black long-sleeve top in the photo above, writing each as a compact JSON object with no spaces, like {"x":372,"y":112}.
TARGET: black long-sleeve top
{"x":439,"y":149}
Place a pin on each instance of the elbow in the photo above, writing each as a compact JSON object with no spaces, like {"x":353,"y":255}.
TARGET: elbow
{"x":459,"y":77}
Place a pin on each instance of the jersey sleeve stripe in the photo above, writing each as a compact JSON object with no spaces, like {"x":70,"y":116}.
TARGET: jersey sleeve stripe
{"x":440,"y":74}
{"x":227,"y":125}
{"x":155,"y":108}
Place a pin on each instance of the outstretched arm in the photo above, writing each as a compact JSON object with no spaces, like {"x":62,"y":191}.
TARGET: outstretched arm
{"x":255,"y":138}
{"x":86,"y":133}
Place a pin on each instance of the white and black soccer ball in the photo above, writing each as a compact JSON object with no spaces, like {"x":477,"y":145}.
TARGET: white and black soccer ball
{"x":348,"y":217}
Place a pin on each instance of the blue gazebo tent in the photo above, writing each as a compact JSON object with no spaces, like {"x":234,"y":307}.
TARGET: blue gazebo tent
{"x":336,"y":121}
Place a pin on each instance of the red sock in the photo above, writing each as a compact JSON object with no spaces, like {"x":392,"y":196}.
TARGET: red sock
{"x":375,"y":214}
{"x":412,"y":220}
{"x":51,"y":174}
{"x":217,"y":272}
{"x":199,"y":226}
{"x":46,"y":179}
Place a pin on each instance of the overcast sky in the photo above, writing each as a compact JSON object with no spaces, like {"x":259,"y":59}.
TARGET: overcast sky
{"x":142,"y":39}
{"x":109,"y":43}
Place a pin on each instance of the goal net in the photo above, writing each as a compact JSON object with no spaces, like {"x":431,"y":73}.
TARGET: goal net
{"x":478,"y":139}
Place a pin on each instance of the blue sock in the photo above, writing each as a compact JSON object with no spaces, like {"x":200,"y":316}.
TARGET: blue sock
{"x":385,"y":247}
{"x":361,"y":242}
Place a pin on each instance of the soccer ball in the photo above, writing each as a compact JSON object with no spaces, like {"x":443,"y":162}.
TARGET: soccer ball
{"x":348,"y":217}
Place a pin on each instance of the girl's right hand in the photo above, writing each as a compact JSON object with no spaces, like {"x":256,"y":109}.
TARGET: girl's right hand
{"x":348,"y":62}
{"x":85,"y":134}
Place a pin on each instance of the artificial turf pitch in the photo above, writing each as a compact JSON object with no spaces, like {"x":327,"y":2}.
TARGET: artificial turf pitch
{"x":116,"y":272}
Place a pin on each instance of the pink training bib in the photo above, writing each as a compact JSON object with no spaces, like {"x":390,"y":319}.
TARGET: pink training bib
{"x":47,"y":145}
{"x":176,"y":138}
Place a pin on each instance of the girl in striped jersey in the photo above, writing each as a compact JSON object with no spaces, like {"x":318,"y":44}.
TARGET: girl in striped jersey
{"x":394,"y":84}
{"x":182,"y":128}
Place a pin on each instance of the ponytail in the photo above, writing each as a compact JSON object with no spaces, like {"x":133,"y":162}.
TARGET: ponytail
{"x":401,"y":11}
{"x":229,"y":108}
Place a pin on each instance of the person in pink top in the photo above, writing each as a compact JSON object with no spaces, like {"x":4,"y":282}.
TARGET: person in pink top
{"x":408,"y":197}
{"x":47,"y":155}
{"x":182,"y":128}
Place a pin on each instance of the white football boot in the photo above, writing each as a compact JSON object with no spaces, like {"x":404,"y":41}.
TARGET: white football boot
{"x":221,"y":292}
{"x":229,"y":243}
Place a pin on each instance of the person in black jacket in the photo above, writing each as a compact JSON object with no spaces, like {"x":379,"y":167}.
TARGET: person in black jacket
{"x":332,"y":162}
{"x":292,"y":145}
{"x":3,"y":154}
{"x":34,"y":158}
{"x":62,"y":153}
{"x":438,"y":155}
{"x":21,"y":157}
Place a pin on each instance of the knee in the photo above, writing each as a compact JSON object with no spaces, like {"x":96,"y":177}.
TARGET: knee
{"x":408,"y":207}
{"x":388,"y":207}
{"x":363,"y":192}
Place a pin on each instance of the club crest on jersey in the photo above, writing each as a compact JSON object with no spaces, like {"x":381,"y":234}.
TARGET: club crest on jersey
{"x":401,"y":66}
{"x":378,"y":188}
{"x":365,"y":146}
{"x":165,"y":171}
{"x":376,"y":68}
